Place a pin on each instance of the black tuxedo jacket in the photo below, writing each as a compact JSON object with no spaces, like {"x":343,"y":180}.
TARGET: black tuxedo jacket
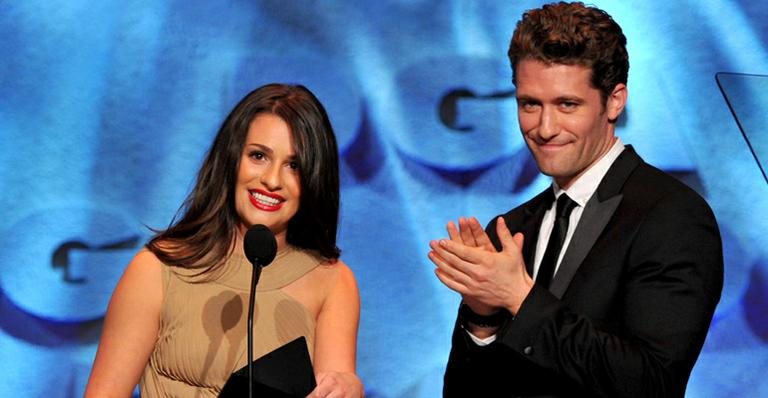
{"x":628,"y":310}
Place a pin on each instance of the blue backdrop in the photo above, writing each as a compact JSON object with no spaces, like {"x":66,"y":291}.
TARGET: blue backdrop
{"x":106,"y":109}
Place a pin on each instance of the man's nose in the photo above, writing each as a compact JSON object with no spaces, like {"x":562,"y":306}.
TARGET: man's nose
{"x":548,"y":123}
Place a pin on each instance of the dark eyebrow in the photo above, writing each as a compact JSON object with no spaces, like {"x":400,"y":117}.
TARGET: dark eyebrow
{"x":561,"y":99}
{"x":527,"y":98}
{"x":268,"y":150}
{"x":263,"y":148}
{"x":567,"y":98}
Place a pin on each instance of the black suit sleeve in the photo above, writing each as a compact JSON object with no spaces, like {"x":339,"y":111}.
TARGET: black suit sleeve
{"x":673,"y":279}
{"x":651,"y":331}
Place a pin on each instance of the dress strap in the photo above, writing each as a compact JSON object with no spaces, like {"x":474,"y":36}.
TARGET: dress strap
{"x":289,"y":265}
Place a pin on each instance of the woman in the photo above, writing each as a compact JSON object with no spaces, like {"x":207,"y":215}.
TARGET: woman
{"x":176,"y":323}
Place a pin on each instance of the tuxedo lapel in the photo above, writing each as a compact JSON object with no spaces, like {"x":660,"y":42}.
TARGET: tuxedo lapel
{"x":596,"y":215}
{"x":527,"y":220}
{"x":534,"y":211}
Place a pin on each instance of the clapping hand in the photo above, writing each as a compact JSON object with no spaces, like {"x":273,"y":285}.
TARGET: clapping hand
{"x":468,"y":264}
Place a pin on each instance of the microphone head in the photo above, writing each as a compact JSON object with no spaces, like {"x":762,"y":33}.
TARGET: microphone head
{"x":259,"y":245}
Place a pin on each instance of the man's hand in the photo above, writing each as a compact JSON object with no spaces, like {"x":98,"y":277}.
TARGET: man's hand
{"x":487,"y":280}
{"x":470,"y":233}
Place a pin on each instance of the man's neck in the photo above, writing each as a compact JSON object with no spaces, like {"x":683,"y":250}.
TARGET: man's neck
{"x":566,"y":183}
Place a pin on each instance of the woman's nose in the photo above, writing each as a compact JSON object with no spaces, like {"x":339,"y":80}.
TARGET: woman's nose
{"x":271,"y":177}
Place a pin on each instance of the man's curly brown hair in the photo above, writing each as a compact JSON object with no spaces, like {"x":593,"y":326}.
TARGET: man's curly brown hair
{"x":573,"y":34}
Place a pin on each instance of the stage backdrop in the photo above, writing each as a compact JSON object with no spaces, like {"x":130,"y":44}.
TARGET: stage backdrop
{"x":107,"y":108}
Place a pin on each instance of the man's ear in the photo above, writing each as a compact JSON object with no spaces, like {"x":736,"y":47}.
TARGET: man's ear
{"x":617,"y":99}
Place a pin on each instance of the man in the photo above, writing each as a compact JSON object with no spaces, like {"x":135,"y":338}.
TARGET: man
{"x":623,"y":309}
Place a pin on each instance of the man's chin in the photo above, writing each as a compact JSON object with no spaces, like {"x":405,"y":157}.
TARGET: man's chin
{"x":561,"y":176}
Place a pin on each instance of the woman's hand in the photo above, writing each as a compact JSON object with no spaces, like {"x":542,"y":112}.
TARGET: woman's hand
{"x":337,"y":385}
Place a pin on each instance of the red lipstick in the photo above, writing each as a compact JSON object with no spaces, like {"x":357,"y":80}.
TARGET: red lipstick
{"x":266,"y":201}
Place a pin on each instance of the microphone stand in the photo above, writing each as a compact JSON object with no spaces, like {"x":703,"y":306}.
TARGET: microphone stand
{"x":254,"y":278}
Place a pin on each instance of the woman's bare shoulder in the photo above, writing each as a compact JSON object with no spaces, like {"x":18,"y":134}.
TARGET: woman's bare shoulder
{"x":144,"y":272}
{"x":336,"y":271}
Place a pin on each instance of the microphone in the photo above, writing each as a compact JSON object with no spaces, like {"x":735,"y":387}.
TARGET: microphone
{"x":260,"y":248}
{"x":259,"y":245}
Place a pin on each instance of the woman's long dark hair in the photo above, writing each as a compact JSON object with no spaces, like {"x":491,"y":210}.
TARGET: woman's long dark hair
{"x":204,"y":235}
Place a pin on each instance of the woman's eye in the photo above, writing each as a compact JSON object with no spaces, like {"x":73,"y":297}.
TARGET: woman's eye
{"x":293,"y":165}
{"x":257,"y":155}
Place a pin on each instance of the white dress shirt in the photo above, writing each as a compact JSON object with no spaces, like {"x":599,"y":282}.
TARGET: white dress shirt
{"x":580,"y":192}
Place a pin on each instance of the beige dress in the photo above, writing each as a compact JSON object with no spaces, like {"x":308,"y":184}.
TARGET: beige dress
{"x":203,"y":325}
